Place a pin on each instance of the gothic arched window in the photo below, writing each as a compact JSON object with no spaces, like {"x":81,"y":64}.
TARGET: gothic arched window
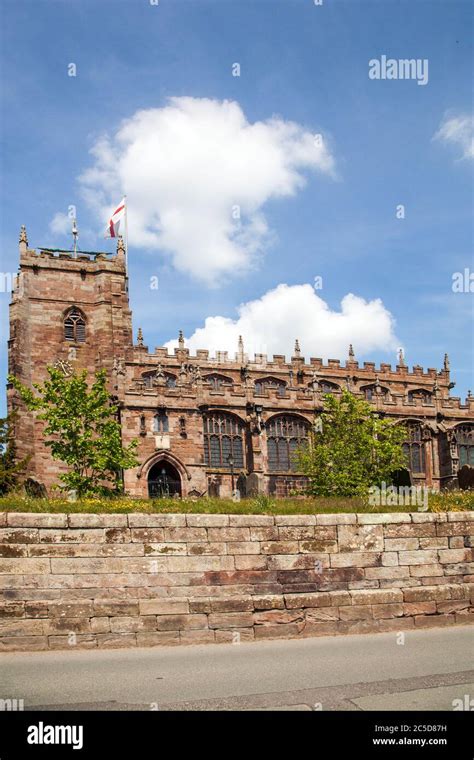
{"x":223,"y":438}
{"x":75,"y":326}
{"x":414,"y":448}
{"x":419,"y":396}
{"x":465,"y":441}
{"x":270,"y":383}
{"x":151,"y":379}
{"x":327,"y":387}
{"x":369,"y":392}
{"x":217,"y":381}
{"x":285,"y":434}
{"x":160,"y":423}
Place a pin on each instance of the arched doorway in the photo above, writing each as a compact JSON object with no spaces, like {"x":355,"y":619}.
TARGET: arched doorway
{"x":163,"y":480}
{"x":401,"y":478}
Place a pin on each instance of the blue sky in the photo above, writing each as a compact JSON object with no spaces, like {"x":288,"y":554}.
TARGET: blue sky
{"x":307,"y":65}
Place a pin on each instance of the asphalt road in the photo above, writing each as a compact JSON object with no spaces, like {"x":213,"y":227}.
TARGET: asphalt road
{"x":367,"y":672}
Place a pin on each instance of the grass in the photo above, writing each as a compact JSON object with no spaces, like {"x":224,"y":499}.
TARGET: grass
{"x":439,"y":502}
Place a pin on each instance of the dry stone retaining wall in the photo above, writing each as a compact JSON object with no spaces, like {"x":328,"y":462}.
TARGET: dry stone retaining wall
{"x":124,"y":580}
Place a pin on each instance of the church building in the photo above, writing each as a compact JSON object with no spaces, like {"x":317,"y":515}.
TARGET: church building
{"x":207,"y":424}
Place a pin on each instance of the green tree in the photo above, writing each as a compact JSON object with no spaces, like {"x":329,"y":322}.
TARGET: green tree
{"x":11,"y":468}
{"x":82,"y":430}
{"x":350,"y":448}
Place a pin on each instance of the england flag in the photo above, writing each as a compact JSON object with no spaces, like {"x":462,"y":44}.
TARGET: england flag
{"x":113,"y":224}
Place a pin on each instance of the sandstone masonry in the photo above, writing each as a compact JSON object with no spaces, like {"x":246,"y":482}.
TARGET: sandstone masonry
{"x":117,"y":580}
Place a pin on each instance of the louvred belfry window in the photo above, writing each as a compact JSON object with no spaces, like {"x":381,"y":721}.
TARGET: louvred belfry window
{"x":75,"y":326}
{"x":285,"y":434}
{"x":223,"y":438}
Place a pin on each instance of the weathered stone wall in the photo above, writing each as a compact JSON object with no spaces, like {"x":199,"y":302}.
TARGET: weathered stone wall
{"x":121,"y":580}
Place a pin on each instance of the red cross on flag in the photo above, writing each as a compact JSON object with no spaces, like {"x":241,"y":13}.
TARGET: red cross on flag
{"x":113,"y":224}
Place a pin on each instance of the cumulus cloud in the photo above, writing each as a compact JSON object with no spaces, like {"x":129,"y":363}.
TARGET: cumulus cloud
{"x":459,"y":131}
{"x":197,"y":175}
{"x":271,"y":323}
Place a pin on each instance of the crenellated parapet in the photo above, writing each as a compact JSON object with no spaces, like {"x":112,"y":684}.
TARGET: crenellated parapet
{"x":52,"y":258}
{"x":297,"y":377}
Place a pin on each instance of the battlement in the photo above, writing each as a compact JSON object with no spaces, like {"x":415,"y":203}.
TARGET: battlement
{"x":278,"y":364}
{"x":49,"y":258}
{"x":81,"y":255}
{"x":54,"y":258}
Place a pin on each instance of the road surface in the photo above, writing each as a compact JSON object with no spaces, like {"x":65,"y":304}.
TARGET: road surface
{"x":365,"y":672}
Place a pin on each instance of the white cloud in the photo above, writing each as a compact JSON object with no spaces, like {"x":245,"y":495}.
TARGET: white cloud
{"x":60,"y":224}
{"x":271,"y":323}
{"x":458,"y":130}
{"x":187,"y":166}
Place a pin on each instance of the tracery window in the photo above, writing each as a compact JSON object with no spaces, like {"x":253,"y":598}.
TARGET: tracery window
{"x":285,"y":434}
{"x":420,"y":396}
{"x":223,"y":438}
{"x":369,"y":392}
{"x":414,"y":448}
{"x":217,"y":382}
{"x":151,"y":379}
{"x":327,"y":387}
{"x":270,"y":383}
{"x":465,"y":441}
{"x":75,"y":326}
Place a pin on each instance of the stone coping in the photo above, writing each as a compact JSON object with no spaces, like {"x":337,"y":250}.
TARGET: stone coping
{"x":186,"y":519}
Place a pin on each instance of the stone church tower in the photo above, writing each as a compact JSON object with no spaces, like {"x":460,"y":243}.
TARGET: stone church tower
{"x":90,"y":294}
